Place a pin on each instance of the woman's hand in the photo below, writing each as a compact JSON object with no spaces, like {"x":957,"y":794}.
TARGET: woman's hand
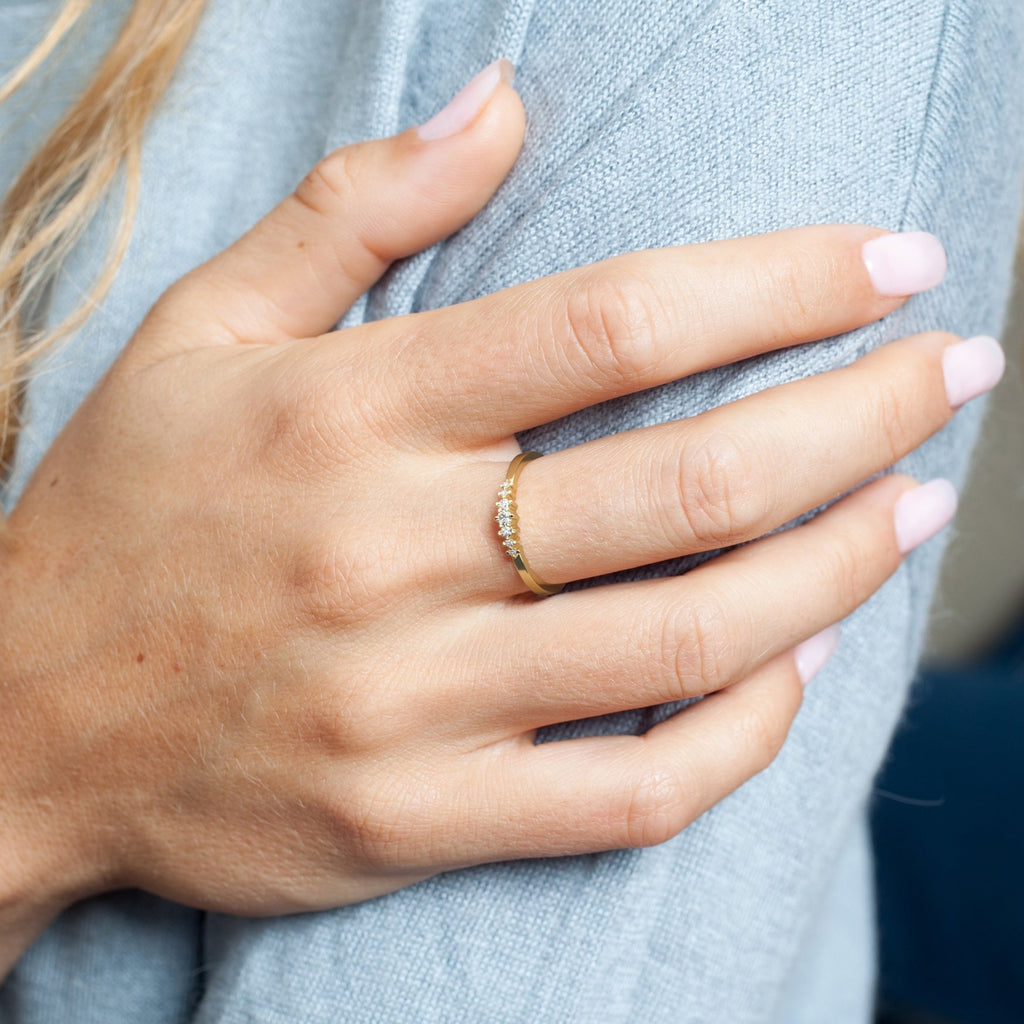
{"x":262,"y":650}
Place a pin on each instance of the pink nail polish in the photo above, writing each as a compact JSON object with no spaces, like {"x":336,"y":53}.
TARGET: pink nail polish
{"x":971,"y":368}
{"x":812,"y":654}
{"x":922,"y":512}
{"x":463,"y":110}
{"x":904,"y":263}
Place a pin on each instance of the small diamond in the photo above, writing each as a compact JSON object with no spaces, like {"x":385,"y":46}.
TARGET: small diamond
{"x":506,"y":517}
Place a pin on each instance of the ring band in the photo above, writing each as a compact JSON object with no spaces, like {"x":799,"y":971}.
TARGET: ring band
{"x":508,"y":526}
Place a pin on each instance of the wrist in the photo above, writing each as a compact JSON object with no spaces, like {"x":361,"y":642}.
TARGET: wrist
{"x":47,"y":858}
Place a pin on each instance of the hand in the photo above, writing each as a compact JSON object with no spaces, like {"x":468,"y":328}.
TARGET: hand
{"x":262,"y":645}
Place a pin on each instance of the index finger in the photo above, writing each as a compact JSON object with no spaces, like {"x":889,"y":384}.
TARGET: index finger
{"x":478,"y":372}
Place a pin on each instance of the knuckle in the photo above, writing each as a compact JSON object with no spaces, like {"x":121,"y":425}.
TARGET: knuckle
{"x":657,"y":808}
{"x":612,"y":321}
{"x":801,"y":285}
{"x":360,"y":817}
{"x":296,"y":422}
{"x":351,"y":718}
{"x":854,"y":568}
{"x":718,"y":488}
{"x":763,"y":725}
{"x":331,"y":183}
{"x":386,"y":820}
{"x":344,"y":581}
{"x":394,"y":409}
{"x":308,"y":424}
{"x":697,"y":648}
{"x":892,"y":419}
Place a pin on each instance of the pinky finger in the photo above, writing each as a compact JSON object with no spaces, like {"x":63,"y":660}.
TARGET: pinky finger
{"x":616,"y":792}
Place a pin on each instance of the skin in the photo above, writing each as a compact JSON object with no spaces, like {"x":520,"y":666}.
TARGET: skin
{"x":261,"y":557}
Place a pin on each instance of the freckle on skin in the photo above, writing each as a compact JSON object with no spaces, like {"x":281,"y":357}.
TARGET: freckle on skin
{"x":176,"y":667}
{"x":53,"y":482}
{"x":141,"y":658}
{"x":302,"y":245}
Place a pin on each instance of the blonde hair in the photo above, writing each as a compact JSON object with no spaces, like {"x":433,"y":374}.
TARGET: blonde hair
{"x":63,"y":186}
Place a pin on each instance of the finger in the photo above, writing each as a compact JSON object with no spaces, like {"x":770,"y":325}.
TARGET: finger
{"x":533,"y":353}
{"x":614,"y":792}
{"x":739,"y":471}
{"x":631,"y":645}
{"x":362,"y":207}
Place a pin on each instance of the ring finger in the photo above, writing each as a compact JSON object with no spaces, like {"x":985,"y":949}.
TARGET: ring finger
{"x":737,"y":472}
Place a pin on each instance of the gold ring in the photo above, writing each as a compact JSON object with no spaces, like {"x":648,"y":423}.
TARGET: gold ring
{"x":508,"y":526}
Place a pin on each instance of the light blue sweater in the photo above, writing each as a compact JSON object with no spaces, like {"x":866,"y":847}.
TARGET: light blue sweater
{"x":651,"y":123}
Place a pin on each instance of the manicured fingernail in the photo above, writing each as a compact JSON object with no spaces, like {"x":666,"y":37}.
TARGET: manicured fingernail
{"x":971,"y":368}
{"x":812,"y":654}
{"x":922,"y":512}
{"x":463,"y":110}
{"x":904,"y":263}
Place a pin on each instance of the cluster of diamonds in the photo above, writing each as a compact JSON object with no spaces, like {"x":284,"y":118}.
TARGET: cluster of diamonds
{"x":506,"y":519}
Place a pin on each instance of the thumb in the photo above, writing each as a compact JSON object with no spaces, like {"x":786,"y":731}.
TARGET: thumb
{"x":302,"y":266}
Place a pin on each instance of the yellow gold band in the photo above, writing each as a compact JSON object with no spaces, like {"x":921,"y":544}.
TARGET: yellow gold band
{"x":508,"y":527}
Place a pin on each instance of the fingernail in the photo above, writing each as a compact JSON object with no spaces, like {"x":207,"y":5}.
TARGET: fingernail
{"x":812,"y":654}
{"x":463,"y":110}
{"x":905,"y":263}
{"x":971,"y":368}
{"x":922,"y":512}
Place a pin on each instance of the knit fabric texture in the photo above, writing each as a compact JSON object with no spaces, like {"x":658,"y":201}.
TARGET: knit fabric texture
{"x":654,"y":123}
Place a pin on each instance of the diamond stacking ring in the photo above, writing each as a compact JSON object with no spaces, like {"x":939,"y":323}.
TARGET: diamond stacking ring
{"x":508,"y":527}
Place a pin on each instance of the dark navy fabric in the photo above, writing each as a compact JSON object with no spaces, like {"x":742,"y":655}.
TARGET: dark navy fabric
{"x":948,"y":828}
